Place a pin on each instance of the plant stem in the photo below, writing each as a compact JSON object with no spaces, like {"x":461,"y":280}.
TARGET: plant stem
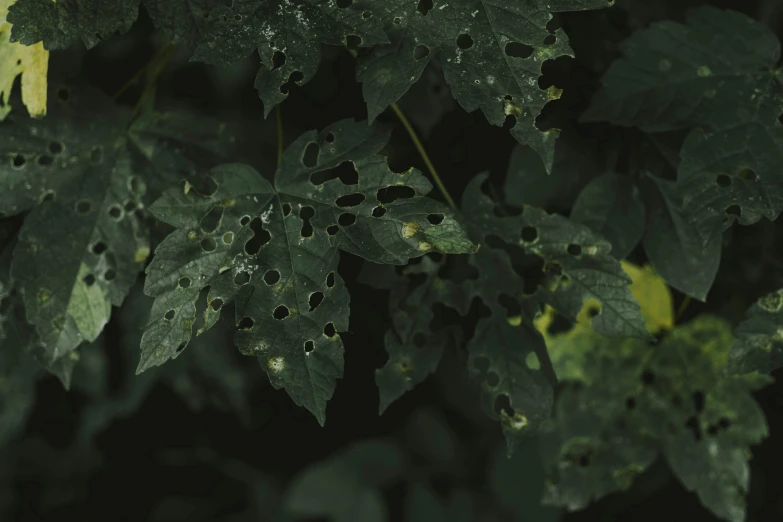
{"x":280,"y":141}
{"x":133,"y":79}
{"x":424,"y":156}
{"x":683,"y":307}
{"x":153,"y":80}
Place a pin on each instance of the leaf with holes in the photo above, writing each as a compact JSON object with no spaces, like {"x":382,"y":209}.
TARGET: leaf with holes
{"x":718,"y":75}
{"x":612,"y":206}
{"x":759,"y":343}
{"x":641,"y":400}
{"x":414,"y":351}
{"x":672,"y":243}
{"x":83,"y":180}
{"x":491,"y":52}
{"x":274,"y":250}
{"x":288,"y":36}
{"x":64,"y":23}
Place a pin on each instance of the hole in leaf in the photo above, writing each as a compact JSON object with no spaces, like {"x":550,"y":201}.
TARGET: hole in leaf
{"x":698,"y":401}
{"x":734,"y":210}
{"x":723,"y":181}
{"x":329,"y":138}
{"x":181,"y":346}
{"x":45,"y":160}
{"x":464,"y":41}
{"x":110,"y":274}
{"x":89,"y":280}
{"x":724,"y":423}
{"x":169,"y":315}
{"x":259,"y":239}
{"x":492,"y":379}
{"x":278,"y":60}
{"x":216,"y":304}
{"x":529,"y":234}
{"x":271,"y":277}
{"x":366,"y":15}
{"x":281,"y":312}
{"x":309,"y":346}
{"x":330,"y":280}
{"x":203,"y":185}
{"x":518,"y":50}
{"x":246,"y":323}
{"x":130,"y":206}
{"x":184,"y":282}
{"x":593,"y":311}
{"x":305,"y":213}
{"x":315,"y":300}
{"x":345,"y":172}
{"x":136,"y":185}
{"x":549,"y":40}
{"x":99,"y":248}
{"x":350,"y":200}
{"x":18,"y":161}
{"x":748,"y":174}
{"x":353,"y":41}
{"x":286,"y":209}
{"x":378,"y":212}
{"x":424,"y":7}
{"x":83,"y":207}
{"x":329,"y":330}
{"x":648,"y":377}
{"x":332,"y":229}
{"x":211,"y":221}
{"x":435,"y":219}
{"x":388,"y":195}
{"x":55,"y":148}
{"x":503,"y":404}
{"x":208,"y":244}
{"x":47,"y":197}
{"x":115,"y":212}
{"x":228,"y":238}
{"x":244,"y":220}
{"x":310,"y":156}
{"x":574,"y":249}
{"x":420,"y":52}
{"x":694,"y":426}
{"x":559,"y":324}
{"x":346,"y":219}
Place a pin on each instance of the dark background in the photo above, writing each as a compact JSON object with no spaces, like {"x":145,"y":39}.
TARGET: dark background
{"x":166,"y":460}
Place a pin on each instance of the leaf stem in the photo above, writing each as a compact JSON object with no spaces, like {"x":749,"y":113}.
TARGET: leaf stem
{"x":280,"y":141}
{"x":133,"y":79}
{"x":424,"y":156}
{"x":161,"y":60}
{"x":683,"y":307}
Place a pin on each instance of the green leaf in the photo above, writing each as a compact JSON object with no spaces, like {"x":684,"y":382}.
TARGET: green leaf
{"x":612,"y":207}
{"x":423,"y":505}
{"x":674,"y":399}
{"x":346,"y":487}
{"x":414,"y":351}
{"x":759,"y":343}
{"x":62,"y":24}
{"x":84,"y":183}
{"x":275,"y":249}
{"x":718,"y":74}
{"x":491,"y":52}
{"x":673,"y":246}
{"x":288,"y":37}
{"x":183,"y":21}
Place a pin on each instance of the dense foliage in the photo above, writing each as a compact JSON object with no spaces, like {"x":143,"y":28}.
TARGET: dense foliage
{"x":606,"y":287}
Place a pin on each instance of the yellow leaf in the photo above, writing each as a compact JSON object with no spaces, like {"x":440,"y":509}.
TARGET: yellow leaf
{"x":653,"y":296}
{"x":32,"y":62}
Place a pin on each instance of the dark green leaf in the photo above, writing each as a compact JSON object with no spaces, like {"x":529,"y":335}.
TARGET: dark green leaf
{"x":62,"y":24}
{"x":674,"y":247}
{"x":491,"y":52}
{"x":275,"y":250}
{"x":759,"y":343}
{"x":612,"y":207}
{"x":183,"y":21}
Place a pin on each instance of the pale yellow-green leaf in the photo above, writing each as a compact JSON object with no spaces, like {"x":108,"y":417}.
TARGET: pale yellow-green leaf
{"x":32,"y":62}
